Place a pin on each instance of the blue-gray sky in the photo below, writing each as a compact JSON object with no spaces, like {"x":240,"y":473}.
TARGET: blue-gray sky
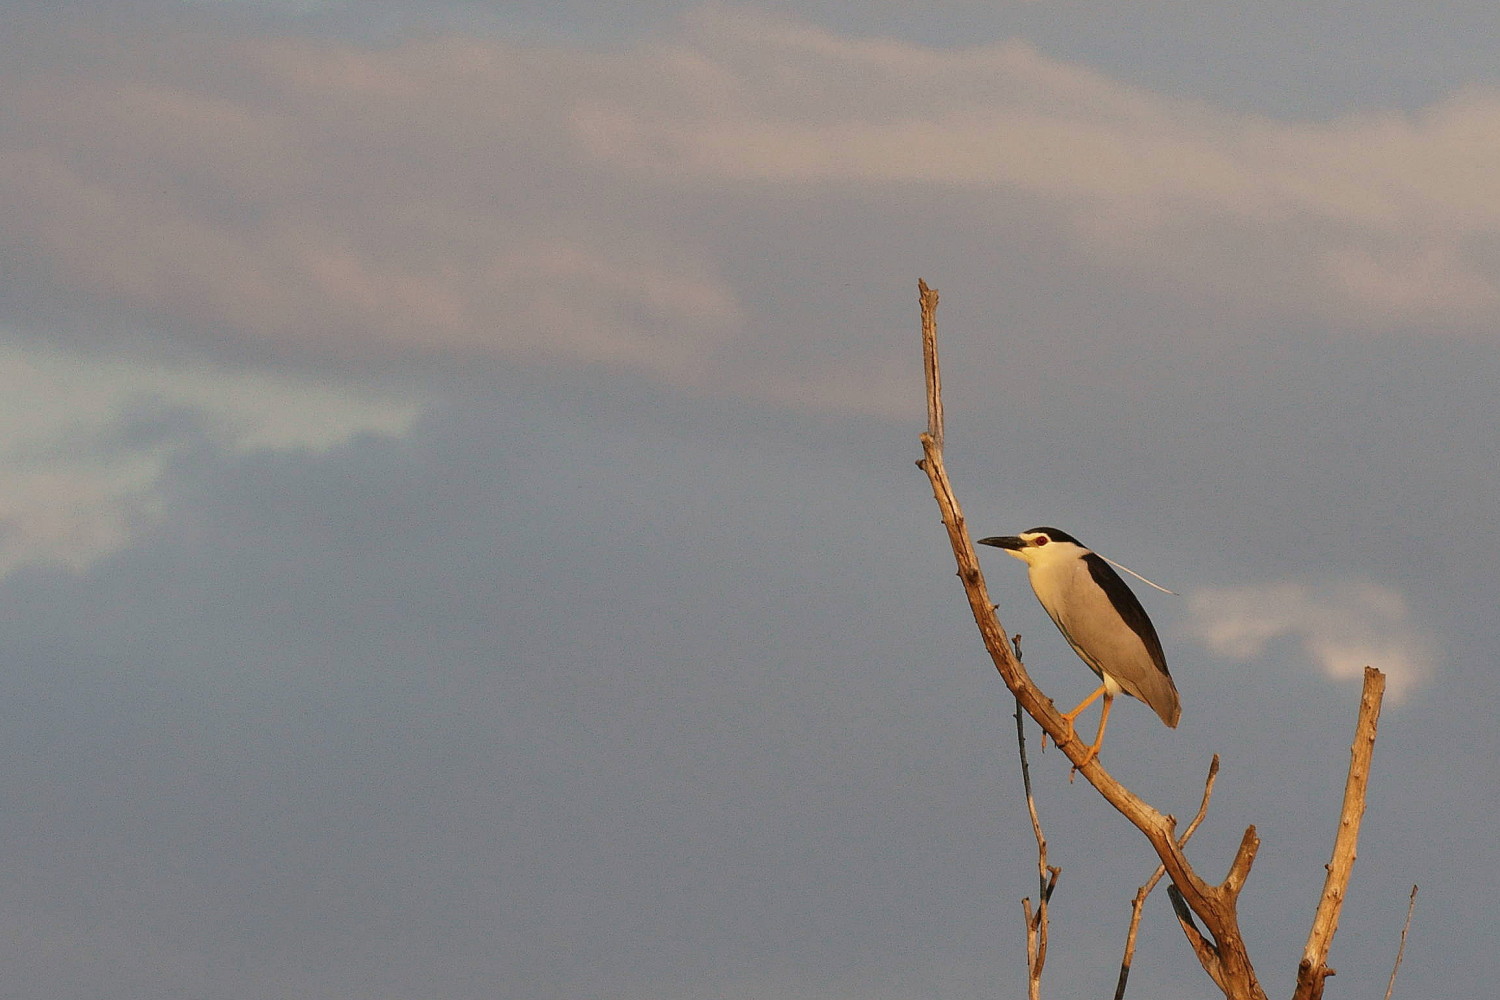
{"x":459,"y":536}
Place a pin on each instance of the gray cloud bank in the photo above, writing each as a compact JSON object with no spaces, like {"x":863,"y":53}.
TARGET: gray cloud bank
{"x":549,"y":718}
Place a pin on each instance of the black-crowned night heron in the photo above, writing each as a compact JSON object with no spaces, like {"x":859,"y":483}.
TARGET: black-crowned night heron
{"x":1101,"y":619}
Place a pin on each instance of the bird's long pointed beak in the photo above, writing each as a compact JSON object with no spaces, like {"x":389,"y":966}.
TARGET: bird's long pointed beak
{"x":1012,"y":542}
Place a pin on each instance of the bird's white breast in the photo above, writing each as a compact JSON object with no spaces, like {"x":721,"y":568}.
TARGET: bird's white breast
{"x":1081,"y":609}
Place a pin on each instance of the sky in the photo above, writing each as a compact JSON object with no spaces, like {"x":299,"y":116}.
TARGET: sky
{"x":459,"y":534}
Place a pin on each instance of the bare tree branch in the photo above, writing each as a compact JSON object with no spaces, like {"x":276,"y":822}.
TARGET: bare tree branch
{"x":1138,"y":904}
{"x":1239,"y":870}
{"x":1313,"y":969}
{"x":1036,"y":922}
{"x":1219,"y":946}
{"x":930,"y":363}
{"x":1401,"y":950}
{"x":1229,"y":964}
{"x":1206,"y":950}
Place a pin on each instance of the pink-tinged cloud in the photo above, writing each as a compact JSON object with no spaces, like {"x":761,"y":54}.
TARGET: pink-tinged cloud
{"x":460,"y":198}
{"x":1370,"y":220}
{"x":322,"y":198}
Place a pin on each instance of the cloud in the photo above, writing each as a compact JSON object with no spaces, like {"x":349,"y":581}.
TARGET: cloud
{"x":1340,"y":627}
{"x":472,"y":199}
{"x":85,"y":440}
{"x":1376,"y":218}
{"x":323,"y":198}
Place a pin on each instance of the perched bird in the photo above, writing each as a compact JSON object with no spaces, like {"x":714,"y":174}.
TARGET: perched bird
{"x":1101,"y":619}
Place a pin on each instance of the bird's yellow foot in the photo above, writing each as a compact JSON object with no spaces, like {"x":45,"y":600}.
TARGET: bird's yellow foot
{"x":1091,"y":753}
{"x":1067,"y":721}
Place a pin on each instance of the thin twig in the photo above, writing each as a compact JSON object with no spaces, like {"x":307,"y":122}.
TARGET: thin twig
{"x":1401,"y":950}
{"x":1036,"y":921}
{"x":1033,"y":981}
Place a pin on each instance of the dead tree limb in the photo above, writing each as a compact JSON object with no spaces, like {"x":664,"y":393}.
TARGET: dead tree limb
{"x":1138,"y":904}
{"x":1222,"y":954}
{"x":1313,"y":969}
{"x":1219,"y":945}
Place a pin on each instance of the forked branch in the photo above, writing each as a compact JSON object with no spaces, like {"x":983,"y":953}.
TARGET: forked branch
{"x":1224,"y":958}
{"x":1138,"y":904}
{"x":1219,"y":945}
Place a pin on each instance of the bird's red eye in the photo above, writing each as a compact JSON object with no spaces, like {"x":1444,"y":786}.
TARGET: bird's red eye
{"x":1040,"y":540}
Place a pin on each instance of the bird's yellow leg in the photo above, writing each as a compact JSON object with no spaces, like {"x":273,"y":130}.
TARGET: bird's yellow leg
{"x":1109,"y":700}
{"x":1068,"y":717}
